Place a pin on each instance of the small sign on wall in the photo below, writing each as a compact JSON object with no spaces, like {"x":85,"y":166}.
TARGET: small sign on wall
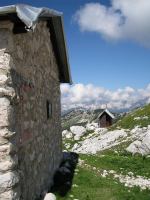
{"x":49,"y":109}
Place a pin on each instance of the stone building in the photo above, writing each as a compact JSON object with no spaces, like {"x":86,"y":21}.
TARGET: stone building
{"x":33,"y":63}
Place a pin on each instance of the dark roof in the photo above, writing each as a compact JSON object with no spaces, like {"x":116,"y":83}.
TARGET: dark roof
{"x":26,"y":17}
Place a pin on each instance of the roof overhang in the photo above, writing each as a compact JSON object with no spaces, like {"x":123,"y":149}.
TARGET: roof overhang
{"x":29,"y":16}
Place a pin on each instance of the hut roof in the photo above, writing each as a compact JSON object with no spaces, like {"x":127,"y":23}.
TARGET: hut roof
{"x":108,"y":112}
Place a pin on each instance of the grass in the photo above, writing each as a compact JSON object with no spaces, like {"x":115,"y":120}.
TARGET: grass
{"x":92,"y":187}
{"x":120,"y":163}
{"x":122,"y":146}
{"x":82,"y":138}
{"x":70,"y":142}
{"x":128,"y":122}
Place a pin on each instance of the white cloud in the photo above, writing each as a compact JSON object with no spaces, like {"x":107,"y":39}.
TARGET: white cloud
{"x":90,"y":96}
{"x":125,"y":19}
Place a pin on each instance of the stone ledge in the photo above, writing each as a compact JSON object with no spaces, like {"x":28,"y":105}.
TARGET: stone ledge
{"x":8,"y":180}
{"x":5,"y":133}
{"x":3,"y":80}
{"x":7,"y":92}
{"x":7,"y":165}
{"x":11,"y":194}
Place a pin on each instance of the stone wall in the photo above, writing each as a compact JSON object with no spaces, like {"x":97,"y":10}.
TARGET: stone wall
{"x":30,"y":142}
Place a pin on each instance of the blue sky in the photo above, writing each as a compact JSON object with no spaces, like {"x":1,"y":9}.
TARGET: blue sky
{"x":109,"y":50}
{"x":94,"y":60}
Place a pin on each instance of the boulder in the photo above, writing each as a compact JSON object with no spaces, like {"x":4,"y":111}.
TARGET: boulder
{"x":134,"y":147}
{"x":78,"y":130}
{"x":142,"y":147}
{"x":50,"y":196}
{"x":138,"y":133}
{"x":92,"y":126}
{"x":64,"y":132}
{"x":77,"y":137}
{"x":67,"y":134}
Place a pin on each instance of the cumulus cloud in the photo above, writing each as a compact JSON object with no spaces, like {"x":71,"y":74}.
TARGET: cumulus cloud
{"x":90,"y":96}
{"x":124,"y":19}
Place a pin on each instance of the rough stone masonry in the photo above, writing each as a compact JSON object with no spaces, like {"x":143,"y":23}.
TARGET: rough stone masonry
{"x":30,"y":127}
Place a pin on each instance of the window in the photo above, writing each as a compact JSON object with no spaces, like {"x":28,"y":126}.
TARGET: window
{"x":49,"y":109}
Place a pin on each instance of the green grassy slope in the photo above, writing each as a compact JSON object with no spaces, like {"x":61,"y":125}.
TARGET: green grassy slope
{"x":120,"y":163}
{"x":129,"y":122}
{"x":91,"y":186}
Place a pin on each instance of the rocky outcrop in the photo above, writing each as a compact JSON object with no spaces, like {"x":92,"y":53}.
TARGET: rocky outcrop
{"x":140,"y":146}
{"x":103,"y":140}
{"x":77,"y":131}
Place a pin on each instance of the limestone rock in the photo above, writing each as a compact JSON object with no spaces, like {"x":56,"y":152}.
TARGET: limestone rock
{"x":77,"y":137}
{"x":6,"y":195}
{"x":78,"y":130}
{"x":50,"y":196}
{"x":4,"y":57}
{"x":8,"y":148}
{"x":5,"y":133}
{"x":13,"y":195}
{"x":7,"y":92}
{"x":3,"y":140}
{"x":4,"y":105}
{"x":8,"y":164}
{"x":8,"y":180}
{"x":134,"y":147}
{"x":67,"y":134}
{"x":142,"y":147}
{"x":100,"y":142}
{"x":91,"y":126}
{"x":3,"y":79}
